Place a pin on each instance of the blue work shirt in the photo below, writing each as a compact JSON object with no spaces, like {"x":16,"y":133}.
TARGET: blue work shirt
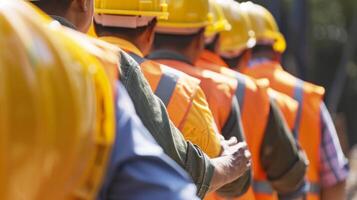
{"x":138,"y":168}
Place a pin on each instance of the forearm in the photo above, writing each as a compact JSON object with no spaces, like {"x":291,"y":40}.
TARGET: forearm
{"x":153,"y":114}
{"x":283,"y":162}
{"x":237,"y":187}
{"x":232,"y":171}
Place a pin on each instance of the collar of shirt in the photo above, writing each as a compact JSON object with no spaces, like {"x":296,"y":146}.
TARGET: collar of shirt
{"x":64,"y":22}
{"x":124,"y":44}
{"x":165,"y":54}
{"x":256,"y":62}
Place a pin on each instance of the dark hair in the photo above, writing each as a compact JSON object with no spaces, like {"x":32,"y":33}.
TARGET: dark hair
{"x":128,"y":32}
{"x":53,"y":6}
{"x":232,"y":62}
{"x":262,"y":48}
{"x":178,"y":41}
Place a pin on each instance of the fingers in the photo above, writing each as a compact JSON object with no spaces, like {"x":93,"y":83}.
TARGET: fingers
{"x":242,"y":154}
{"x":221,"y":137}
{"x":232,"y":141}
{"x":241,"y":147}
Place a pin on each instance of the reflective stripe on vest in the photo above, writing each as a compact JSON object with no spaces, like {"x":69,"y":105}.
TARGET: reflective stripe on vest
{"x":137,"y":58}
{"x":240,"y":91}
{"x":167,"y":83}
{"x":264,"y":187}
{"x":298,"y":96}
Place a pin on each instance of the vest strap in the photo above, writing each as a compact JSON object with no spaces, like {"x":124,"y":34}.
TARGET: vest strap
{"x":264,"y":187}
{"x":298,"y":96}
{"x":167,"y":83}
{"x":314,"y":188}
{"x":137,"y":58}
{"x":240,"y":91}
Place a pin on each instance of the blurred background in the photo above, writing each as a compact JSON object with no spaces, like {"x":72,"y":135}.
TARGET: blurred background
{"x":322,"y":41}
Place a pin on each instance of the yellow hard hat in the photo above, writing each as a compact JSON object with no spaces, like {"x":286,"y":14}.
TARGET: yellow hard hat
{"x":241,"y":36}
{"x":219,"y":23}
{"x":52,"y":105}
{"x":264,"y":26}
{"x":187,"y":14}
{"x":157,"y":8}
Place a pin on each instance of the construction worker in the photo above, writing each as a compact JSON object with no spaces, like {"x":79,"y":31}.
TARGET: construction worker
{"x":261,"y":116}
{"x":313,"y":127}
{"x":177,"y":44}
{"x":57,"y":121}
{"x":186,"y":104}
{"x":208,"y":174}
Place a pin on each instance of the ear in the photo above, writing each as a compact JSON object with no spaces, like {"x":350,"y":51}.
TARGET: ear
{"x":83,"y":5}
{"x":200,"y":40}
{"x":150,"y":32}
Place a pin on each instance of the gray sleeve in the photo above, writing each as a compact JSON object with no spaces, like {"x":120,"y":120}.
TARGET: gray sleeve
{"x":138,"y":164}
{"x":153,"y":114}
{"x":233,"y":127}
{"x":281,"y":158}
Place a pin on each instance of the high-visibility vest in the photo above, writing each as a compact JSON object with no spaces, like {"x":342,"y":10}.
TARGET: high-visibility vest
{"x":307,"y":129}
{"x":210,"y":58}
{"x":177,"y":91}
{"x":218,"y":89}
{"x":174,"y":88}
{"x":253,"y":99}
{"x":287,"y":105}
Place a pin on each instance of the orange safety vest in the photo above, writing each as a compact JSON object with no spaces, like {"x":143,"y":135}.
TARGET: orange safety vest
{"x":218,"y":89}
{"x":208,"y":57}
{"x":253,"y":98}
{"x":307,"y":128}
{"x":174,"y":88}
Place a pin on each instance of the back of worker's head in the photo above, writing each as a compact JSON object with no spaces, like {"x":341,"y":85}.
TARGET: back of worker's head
{"x":78,"y":12}
{"x":235,"y":43}
{"x":185,"y":25}
{"x":133,"y":20}
{"x":48,"y":111}
{"x":265,"y":27}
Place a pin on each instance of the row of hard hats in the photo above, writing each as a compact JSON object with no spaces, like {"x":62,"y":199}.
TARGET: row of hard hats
{"x":241,"y":24}
{"x":56,"y":108}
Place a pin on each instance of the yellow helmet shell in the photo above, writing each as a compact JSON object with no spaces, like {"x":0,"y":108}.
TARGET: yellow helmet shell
{"x":241,"y":36}
{"x":264,"y":25}
{"x":50,"y":110}
{"x":156,"y":8}
{"x":219,"y":23}
{"x":187,"y":14}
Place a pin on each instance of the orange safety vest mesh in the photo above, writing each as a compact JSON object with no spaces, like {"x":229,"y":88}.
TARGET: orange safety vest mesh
{"x":174,"y":88}
{"x":253,"y":98}
{"x":218,"y":89}
{"x":307,"y":128}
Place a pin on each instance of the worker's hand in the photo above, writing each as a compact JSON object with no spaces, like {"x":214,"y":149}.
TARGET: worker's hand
{"x":227,"y":144}
{"x":240,"y":159}
{"x":231,"y":166}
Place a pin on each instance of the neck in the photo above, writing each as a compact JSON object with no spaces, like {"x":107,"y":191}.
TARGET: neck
{"x":271,"y":55}
{"x":190,"y":54}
